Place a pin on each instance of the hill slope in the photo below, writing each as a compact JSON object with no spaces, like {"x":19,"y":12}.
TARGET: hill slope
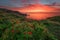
{"x":14,"y":26}
{"x":53,"y":24}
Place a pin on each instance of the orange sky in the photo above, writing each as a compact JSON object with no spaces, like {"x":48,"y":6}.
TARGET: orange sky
{"x":38,"y":11}
{"x":37,"y":8}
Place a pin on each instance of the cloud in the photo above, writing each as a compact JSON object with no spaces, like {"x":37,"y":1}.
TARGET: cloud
{"x":56,"y":4}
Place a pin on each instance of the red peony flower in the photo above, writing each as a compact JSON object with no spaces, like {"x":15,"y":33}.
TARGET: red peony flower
{"x":29,"y":33}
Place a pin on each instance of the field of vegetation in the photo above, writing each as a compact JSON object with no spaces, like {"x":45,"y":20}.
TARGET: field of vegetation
{"x":14,"y":26}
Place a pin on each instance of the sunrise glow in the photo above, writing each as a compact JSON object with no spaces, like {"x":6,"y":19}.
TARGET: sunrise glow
{"x":38,"y":11}
{"x":37,"y":8}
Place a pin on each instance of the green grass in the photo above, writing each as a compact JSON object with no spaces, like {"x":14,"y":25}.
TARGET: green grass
{"x":17,"y":27}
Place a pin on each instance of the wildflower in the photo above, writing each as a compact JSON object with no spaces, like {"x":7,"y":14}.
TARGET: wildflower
{"x":29,"y":33}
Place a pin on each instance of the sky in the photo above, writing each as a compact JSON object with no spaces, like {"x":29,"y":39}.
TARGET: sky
{"x":24,"y":6}
{"x":19,"y":3}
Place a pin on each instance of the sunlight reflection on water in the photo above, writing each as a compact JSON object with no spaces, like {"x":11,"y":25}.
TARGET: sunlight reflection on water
{"x":42,"y":15}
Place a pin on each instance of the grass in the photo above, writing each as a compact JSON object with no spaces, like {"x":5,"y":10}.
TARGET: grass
{"x":17,"y":27}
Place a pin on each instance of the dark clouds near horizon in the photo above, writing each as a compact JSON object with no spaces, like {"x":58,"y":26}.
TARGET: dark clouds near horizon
{"x":19,"y":3}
